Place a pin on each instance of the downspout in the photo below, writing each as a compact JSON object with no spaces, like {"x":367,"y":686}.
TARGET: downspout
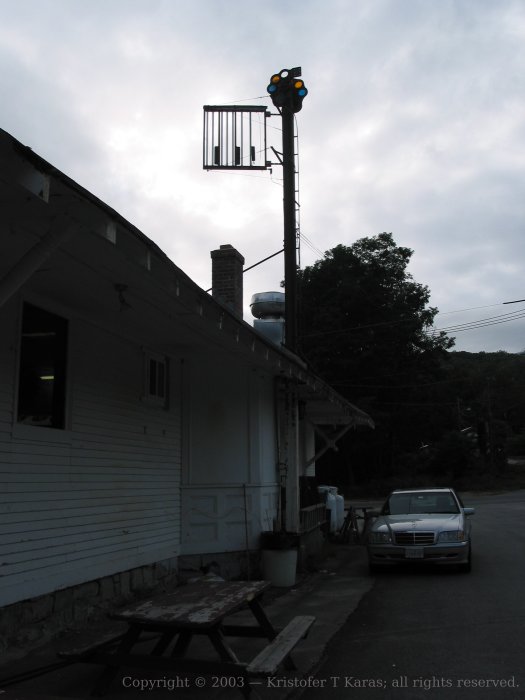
{"x":35,"y":257}
{"x":288,"y":454}
{"x":279,"y":522}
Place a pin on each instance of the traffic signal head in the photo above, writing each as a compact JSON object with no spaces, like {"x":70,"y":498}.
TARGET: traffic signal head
{"x":278,"y":88}
{"x":273,"y":87}
{"x":299,"y":92}
{"x":287,"y":89}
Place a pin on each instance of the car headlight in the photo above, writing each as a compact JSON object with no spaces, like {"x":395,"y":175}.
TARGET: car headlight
{"x":451,"y":536}
{"x":379,"y":537}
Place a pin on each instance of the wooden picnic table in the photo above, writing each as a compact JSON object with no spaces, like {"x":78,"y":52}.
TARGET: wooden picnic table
{"x":198,"y":609}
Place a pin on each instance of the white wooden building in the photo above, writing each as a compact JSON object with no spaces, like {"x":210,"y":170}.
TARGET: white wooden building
{"x":138,"y":413}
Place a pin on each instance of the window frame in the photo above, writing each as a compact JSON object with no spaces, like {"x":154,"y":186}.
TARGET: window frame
{"x":33,"y":429}
{"x":156,"y":384}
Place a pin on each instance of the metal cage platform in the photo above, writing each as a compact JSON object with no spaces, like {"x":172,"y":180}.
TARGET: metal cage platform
{"x":235,"y":138}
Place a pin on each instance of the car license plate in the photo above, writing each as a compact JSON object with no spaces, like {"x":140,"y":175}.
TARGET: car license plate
{"x":414,"y":553}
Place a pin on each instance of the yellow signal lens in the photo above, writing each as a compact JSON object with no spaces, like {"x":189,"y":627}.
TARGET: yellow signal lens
{"x":298,"y":84}
{"x":275,"y":78}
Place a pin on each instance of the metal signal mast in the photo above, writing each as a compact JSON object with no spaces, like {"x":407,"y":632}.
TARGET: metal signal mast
{"x":235,"y":139}
{"x":287,"y":91}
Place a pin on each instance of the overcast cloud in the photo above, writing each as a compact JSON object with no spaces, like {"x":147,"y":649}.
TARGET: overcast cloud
{"x":414,"y":124}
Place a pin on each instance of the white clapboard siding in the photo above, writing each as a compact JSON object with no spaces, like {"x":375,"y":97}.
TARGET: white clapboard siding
{"x":7,"y":378}
{"x":102,"y":496}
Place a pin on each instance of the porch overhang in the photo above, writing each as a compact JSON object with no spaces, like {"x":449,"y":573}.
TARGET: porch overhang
{"x":324,"y":406}
{"x":330,"y":415}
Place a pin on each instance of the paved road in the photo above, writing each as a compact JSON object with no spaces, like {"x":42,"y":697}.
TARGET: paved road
{"x":439,"y":634}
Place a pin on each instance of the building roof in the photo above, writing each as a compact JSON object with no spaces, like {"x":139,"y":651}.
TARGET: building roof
{"x":90,"y":240}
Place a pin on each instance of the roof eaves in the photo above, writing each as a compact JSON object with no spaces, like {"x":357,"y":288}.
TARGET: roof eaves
{"x":287,"y":362}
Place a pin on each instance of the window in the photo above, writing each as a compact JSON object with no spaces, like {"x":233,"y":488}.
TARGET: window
{"x":156,"y":379}
{"x":42,"y":376}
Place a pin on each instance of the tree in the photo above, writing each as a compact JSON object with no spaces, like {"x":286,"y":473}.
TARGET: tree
{"x":489,"y":390}
{"x":359,"y":305}
{"x":364,"y":327}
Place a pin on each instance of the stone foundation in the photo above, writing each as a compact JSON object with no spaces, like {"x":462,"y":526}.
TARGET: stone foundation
{"x":227,"y":565}
{"x":29,"y":623}
{"x":243,"y":566}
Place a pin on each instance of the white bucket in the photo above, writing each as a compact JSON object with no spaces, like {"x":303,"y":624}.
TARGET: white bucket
{"x":279,"y":566}
{"x":340,"y":511}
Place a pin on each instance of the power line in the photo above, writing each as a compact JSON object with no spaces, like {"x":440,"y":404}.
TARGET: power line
{"x":472,"y":308}
{"x":418,"y":385}
{"x":311,"y":245}
{"x":263,"y":260}
{"x":472,"y":325}
{"x":246,"y":99}
{"x":481,"y":323}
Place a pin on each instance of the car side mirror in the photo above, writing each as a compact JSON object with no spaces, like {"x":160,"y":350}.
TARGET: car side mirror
{"x":469,"y":511}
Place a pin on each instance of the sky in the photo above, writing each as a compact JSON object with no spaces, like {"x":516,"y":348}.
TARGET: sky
{"x":414,"y":124}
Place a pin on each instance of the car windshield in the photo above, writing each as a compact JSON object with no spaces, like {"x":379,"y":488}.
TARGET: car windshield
{"x":420,"y":502}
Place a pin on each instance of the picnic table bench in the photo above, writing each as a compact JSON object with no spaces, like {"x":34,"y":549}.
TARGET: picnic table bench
{"x":196,"y":609}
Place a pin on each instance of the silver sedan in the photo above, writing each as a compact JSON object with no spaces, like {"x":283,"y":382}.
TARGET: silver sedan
{"x":418,"y":526}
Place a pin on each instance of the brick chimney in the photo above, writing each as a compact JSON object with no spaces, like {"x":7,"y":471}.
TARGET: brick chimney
{"x":226,"y":277}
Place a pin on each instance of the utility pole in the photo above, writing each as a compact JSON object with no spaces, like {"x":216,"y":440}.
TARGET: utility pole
{"x":287,"y":91}
{"x":290,"y":230}
{"x":230,"y":143}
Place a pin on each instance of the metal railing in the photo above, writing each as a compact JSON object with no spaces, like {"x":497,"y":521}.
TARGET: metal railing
{"x":312,"y":517}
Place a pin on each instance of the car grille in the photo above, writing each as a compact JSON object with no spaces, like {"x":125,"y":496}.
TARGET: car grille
{"x":414,"y":537}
